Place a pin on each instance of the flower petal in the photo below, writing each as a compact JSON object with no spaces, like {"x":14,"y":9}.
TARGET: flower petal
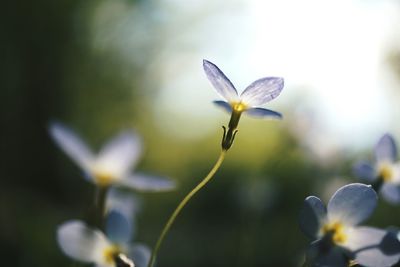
{"x":224,"y":105}
{"x":123,"y":202}
{"x":318,"y":255}
{"x":365,"y":171}
{"x":118,"y":227}
{"x":220,"y":82}
{"x":391,"y":192}
{"x":72,"y":145}
{"x":140,"y":254}
{"x":312,"y":214}
{"x":367,"y":243}
{"x":144,"y":182}
{"x":352,"y":204}
{"x":81,"y":242}
{"x":262,"y":91}
{"x":263,"y":113}
{"x":385,"y":149}
{"x":120,"y":154}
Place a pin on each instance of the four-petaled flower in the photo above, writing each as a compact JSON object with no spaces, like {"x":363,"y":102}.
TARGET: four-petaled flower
{"x":384,"y":173}
{"x":113,"y":164}
{"x":336,"y":234}
{"x":255,"y":95}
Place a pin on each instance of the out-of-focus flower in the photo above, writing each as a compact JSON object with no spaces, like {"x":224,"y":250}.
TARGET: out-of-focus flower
{"x":255,"y":95}
{"x":249,"y":102}
{"x":384,"y":173}
{"x":337,"y":237}
{"x":113,"y":164}
{"x":88,"y":245}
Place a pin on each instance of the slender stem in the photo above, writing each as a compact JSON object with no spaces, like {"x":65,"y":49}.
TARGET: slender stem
{"x":182,"y":204}
{"x":101,"y":196}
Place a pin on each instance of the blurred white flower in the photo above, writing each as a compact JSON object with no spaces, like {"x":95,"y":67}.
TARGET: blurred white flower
{"x":89,"y":245}
{"x":113,"y":164}
{"x":384,"y":173}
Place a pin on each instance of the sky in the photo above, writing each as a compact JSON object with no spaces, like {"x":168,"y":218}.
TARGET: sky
{"x":333,"y":56}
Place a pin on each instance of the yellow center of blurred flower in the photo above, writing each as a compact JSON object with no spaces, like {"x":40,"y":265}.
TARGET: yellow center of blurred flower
{"x":337,"y":230}
{"x":352,"y":263}
{"x":238,"y":106}
{"x":103,"y":178}
{"x":386,"y":172}
{"x":109,"y":254}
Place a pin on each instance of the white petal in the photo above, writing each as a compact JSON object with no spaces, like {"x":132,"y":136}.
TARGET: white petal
{"x":368,"y":245}
{"x":385,"y":149}
{"x":72,"y":145}
{"x":352,"y":204}
{"x":222,"y":104}
{"x":124,"y":202}
{"x":220,"y":82}
{"x":140,"y":254}
{"x":263,"y":113}
{"x":119,"y":155}
{"x":262,"y":91}
{"x":81,"y":242}
{"x":312,"y":215}
{"x":118,"y":227}
{"x":391,"y":192}
{"x":145,"y":182}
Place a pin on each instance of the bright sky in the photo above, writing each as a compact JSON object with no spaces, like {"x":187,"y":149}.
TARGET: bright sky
{"x":332,"y":55}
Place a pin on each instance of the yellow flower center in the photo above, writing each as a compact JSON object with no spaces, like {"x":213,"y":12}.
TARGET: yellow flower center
{"x":110,"y":253}
{"x":337,"y":230}
{"x":103,"y":179}
{"x":386,"y":172}
{"x":238,"y":106}
{"x":352,"y":263}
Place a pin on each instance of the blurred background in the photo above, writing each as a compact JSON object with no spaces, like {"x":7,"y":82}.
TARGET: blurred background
{"x":106,"y":65}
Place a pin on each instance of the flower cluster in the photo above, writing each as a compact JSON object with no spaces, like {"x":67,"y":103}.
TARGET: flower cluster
{"x":338,"y":239}
{"x":111,"y":167}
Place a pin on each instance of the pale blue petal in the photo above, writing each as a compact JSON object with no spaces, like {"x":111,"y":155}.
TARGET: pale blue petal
{"x":365,"y":171}
{"x":81,"y":242}
{"x":312,"y":215}
{"x":140,"y":254}
{"x":220,"y":82}
{"x":391,"y":192}
{"x":222,"y":104}
{"x":385,"y":149}
{"x":262,"y":91}
{"x":72,"y":145}
{"x":143,"y":182}
{"x":120,"y":154}
{"x":124,"y":202}
{"x":367,"y":244}
{"x":118,"y":227}
{"x":263,"y":113}
{"x":352,"y":204}
{"x":321,"y":255}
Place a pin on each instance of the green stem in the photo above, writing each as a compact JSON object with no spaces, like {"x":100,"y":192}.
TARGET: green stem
{"x":182,"y":204}
{"x":101,"y":196}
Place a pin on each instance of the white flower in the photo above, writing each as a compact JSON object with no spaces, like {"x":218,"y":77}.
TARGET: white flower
{"x":336,"y":231}
{"x":88,"y":245}
{"x":255,"y":95}
{"x":384,"y":173}
{"x":113,"y":164}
